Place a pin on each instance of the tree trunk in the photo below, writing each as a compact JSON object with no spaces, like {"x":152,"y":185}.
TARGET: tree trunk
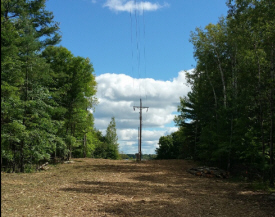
{"x":84,"y":145}
{"x":271,"y":143}
{"x":215,"y":96}
{"x":14,"y":158}
{"x":222,"y":77}
{"x":272,"y":118}
{"x":230,"y":145}
{"x":22,"y":165}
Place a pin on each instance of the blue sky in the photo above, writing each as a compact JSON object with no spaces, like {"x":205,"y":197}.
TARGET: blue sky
{"x":139,"y":49}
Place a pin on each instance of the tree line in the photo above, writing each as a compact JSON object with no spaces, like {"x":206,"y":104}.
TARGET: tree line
{"x":47,"y":93}
{"x":133,"y":156}
{"x":227,"y":118}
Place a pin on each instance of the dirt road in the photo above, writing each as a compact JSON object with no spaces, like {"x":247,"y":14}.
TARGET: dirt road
{"x":91,"y":187}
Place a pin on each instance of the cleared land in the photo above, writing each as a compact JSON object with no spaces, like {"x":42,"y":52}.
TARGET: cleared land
{"x":94,"y":187}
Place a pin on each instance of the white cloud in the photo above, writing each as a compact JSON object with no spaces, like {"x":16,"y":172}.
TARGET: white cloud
{"x":118,"y":93}
{"x":130,"y":6}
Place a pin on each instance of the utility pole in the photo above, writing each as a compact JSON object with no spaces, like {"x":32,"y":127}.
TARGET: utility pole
{"x":140,"y":125}
{"x":139,"y":149}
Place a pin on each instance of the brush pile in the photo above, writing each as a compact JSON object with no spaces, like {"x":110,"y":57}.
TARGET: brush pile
{"x":209,"y":172}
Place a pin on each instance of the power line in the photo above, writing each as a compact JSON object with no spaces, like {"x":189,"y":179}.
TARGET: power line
{"x":144,"y":51}
{"x":139,"y":68}
{"x":132,"y":52}
{"x":139,"y":24}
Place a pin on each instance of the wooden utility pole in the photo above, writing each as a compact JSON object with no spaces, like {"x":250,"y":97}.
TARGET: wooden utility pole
{"x":139,"y":149}
{"x":140,"y":125}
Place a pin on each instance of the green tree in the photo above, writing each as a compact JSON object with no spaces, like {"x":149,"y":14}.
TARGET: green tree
{"x":46,"y":92}
{"x":73,"y":88}
{"x":111,"y":135}
{"x":228,"y":117}
{"x":111,"y":139}
{"x":171,"y":146}
{"x":254,"y":20}
{"x":28,"y":132}
{"x":107,"y":146}
{"x":165,"y":147}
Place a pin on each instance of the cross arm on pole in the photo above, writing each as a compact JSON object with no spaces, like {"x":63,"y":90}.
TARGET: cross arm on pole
{"x":134,"y":107}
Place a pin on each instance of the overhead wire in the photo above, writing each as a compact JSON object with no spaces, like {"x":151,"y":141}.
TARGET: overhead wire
{"x":139,"y":42}
{"x":142,"y":83}
{"x":132,"y":52}
{"x":144,"y":50}
{"x":137,"y":45}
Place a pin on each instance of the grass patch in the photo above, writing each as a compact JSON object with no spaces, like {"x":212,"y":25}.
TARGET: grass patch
{"x":256,"y":186}
{"x":252,"y":185}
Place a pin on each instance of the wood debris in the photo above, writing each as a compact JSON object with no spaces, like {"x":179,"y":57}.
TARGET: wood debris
{"x":209,"y":172}
{"x":68,"y":162}
{"x":44,"y":166}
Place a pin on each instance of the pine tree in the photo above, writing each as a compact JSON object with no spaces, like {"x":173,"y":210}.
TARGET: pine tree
{"x":231,"y":105}
{"x":28,"y":131}
{"x":112,"y":140}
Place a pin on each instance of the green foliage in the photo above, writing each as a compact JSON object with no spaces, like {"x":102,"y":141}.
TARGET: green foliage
{"x":123,"y":156}
{"x":73,"y":88}
{"x":46,"y":92}
{"x":170,"y":146}
{"x":148,"y":156}
{"x":107,"y":148}
{"x":133,"y":156}
{"x":111,"y":136}
{"x":228,"y":117}
{"x":165,"y":147}
{"x":28,"y":129}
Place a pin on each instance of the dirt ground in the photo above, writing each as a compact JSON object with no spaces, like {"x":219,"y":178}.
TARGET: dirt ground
{"x":95,"y":187}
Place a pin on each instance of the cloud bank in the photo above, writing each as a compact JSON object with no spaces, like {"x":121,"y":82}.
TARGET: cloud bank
{"x":118,"y":93}
{"x":130,"y":6}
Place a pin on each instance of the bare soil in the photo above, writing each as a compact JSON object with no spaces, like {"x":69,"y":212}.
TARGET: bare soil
{"x":95,"y":187}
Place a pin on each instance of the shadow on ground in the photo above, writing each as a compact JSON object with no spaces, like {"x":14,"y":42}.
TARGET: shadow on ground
{"x":156,"y":188}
